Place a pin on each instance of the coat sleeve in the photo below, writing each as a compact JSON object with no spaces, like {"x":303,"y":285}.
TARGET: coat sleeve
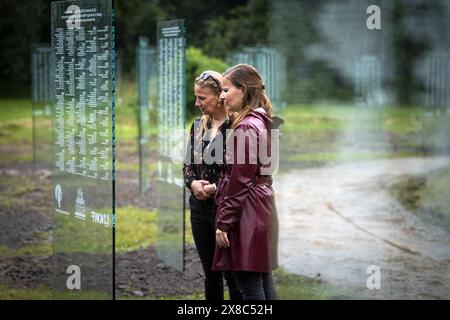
{"x":242,"y":177}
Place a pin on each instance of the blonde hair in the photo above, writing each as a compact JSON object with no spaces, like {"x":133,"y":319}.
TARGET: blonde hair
{"x":212,"y":80}
{"x":247,"y":78}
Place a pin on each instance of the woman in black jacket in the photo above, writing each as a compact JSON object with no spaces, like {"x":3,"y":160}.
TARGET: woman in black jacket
{"x":201,"y":171}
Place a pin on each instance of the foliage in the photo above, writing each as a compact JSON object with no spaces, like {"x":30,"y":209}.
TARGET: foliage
{"x":219,"y":28}
{"x":197,"y":62}
{"x":243,"y":26}
{"x":24,"y":24}
{"x":135,"y":18}
{"x":407,"y":51}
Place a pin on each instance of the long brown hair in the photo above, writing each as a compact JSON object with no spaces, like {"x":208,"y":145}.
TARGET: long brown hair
{"x":212,"y":80}
{"x":247,"y":78}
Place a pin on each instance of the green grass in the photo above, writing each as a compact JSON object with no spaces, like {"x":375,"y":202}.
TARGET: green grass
{"x":81,"y":295}
{"x":13,"y":159}
{"x":307,"y":118}
{"x":14,"y":192}
{"x":16,"y":131}
{"x":16,"y":120}
{"x":40,"y":249}
{"x":289,"y":287}
{"x":402,"y":119}
{"x":126,"y":118}
{"x":192,"y":296}
{"x":296,"y":287}
{"x":7,"y":202}
{"x":72,"y":238}
{"x":314,"y":135}
{"x":126,"y":131}
{"x":14,"y":188}
{"x":436,"y":191}
{"x":311,"y":118}
{"x":434,"y":200}
{"x":135,"y":228}
{"x":346,"y":156}
{"x":13,"y":109}
{"x":133,"y":167}
{"x":127,"y":166}
{"x":41,"y":293}
{"x":426,"y":196}
{"x":311,"y":134}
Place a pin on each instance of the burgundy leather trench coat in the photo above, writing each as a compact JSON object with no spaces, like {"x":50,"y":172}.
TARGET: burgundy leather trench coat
{"x":245,"y":205}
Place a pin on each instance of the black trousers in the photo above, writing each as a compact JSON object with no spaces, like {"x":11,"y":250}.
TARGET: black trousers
{"x":204,"y":232}
{"x":255,"y":285}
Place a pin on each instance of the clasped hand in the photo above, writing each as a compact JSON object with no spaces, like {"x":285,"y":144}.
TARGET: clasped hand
{"x":202,"y":189}
{"x":222,"y":239}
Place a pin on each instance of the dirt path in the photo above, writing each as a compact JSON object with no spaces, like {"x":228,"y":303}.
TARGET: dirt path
{"x":339,"y":220}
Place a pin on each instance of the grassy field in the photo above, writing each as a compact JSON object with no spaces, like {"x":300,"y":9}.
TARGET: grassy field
{"x":317,"y":135}
{"x":15,"y":109}
{"x":311,"y":136}
{"x":289,"y":286}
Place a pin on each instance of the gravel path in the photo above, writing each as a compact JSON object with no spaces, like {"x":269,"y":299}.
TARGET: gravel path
{"x":339,"y":220}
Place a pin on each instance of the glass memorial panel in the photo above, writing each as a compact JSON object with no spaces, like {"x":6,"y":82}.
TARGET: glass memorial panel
{"x":146,"y":71}
{"x":434,"y":71}
{"x":364,"y":177}
{"x":271,"y":65}
{"x":43,"y":96}
{"x":171,"y":142}
{"x":83,"y":176}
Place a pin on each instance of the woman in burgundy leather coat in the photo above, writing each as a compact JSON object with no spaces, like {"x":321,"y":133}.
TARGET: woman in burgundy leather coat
{"x":246,"y":218}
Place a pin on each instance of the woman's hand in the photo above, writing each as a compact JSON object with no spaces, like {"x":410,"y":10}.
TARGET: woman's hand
{"x":222,"y":239}
{"x":210,"y":189}
{"x":197,"y":189}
